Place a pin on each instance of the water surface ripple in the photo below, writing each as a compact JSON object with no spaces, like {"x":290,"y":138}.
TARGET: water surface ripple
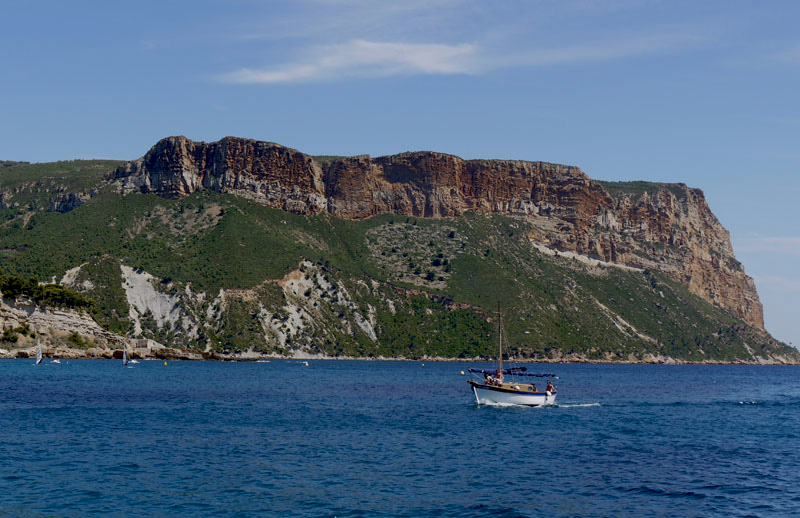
{"x":394,"y":439}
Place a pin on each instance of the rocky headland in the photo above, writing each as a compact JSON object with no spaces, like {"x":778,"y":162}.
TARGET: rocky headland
{"x":244,"y":250}
{"x":664,"y":227}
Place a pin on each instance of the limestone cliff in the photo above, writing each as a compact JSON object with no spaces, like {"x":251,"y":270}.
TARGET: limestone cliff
{"x":261,"y":171}
{"x":22,"y":319}
{"x":669,"y":228}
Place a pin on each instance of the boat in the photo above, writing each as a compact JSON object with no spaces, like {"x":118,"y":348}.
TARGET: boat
{"x":124,"y":356}
{"x":38,"y":351}
{"x":496,"y":389}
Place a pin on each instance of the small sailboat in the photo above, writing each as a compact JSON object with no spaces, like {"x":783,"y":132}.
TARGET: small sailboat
{"x":124,"y":356}
{"x":38,"y":350}
{"x":496,"y":389}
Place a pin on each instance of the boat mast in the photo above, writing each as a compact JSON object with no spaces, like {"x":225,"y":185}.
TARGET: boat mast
{"x":500,"y":332}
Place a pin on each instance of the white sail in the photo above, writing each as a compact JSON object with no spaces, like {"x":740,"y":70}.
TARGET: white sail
{"x":124,"y":356}
{"x":38,"y":351}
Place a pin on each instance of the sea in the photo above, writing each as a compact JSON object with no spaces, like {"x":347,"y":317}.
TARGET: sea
{"x":394,"y":439}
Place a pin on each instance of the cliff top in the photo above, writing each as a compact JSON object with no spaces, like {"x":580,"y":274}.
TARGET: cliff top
{"x":636,"y":187}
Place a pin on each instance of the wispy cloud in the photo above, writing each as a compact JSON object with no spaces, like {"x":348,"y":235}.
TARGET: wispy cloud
{"x":602,"y":50}
{"x":362,"y":58}
{"x":767,"y":56}
{"x":781,"y":245}
{"x":779,"y":283}
{"x":789,"y":55}
{"x":362,"y":18}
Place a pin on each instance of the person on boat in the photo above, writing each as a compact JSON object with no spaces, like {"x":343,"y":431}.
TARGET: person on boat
{"x":550,"y":386}
{"x":533,"y":387}
{"x":493,"y":379}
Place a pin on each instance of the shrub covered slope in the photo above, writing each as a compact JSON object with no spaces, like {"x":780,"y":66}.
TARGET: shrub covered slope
{"x":224,"y":273}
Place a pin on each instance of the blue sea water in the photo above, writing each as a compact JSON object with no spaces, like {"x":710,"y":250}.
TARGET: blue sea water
{"x":394,"y":439}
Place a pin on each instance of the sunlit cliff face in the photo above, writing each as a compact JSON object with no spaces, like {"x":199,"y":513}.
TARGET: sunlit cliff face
{"x":669,"y":228}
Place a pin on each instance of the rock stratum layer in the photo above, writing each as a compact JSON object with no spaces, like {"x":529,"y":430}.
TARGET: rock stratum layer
{"x":669,"y":228}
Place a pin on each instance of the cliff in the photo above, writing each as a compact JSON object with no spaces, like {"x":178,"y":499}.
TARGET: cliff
{"x":71,"y":334}
{"x":21,"y":320}
{"x":665,"y":227}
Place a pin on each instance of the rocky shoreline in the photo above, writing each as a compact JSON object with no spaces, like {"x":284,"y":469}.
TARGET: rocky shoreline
{"x":69,"y":334}
{"x":175,"y":354}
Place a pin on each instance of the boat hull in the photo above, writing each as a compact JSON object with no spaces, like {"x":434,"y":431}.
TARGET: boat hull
{"x":508,"y":395}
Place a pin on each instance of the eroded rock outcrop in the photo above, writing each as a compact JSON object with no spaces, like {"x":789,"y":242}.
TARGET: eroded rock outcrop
{"x":22,"y":319}
{"x":261,"y":171}
{"x":67,"y":201}
{"x":669,"y":228}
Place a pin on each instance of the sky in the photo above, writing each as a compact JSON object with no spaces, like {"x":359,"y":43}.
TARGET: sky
{"x":704,"y":93}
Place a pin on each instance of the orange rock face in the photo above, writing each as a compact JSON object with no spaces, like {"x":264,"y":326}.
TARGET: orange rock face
{"x":264,"y":172}
{"x":671,"y":230}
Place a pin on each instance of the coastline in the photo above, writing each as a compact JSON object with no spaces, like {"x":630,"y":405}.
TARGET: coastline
{"x":174,"y":354}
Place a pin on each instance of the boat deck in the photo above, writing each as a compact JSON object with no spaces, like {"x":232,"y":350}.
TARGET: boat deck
{"x":510,"y":387}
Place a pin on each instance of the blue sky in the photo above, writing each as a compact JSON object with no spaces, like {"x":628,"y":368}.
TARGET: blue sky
{"x":678,"y":91}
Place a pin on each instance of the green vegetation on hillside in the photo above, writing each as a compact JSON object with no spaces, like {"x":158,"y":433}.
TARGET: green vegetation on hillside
{"x":9,"y":163}
{"x":386,"y":286}
{"x":327,"y":159}
{"x":637,"y":188}
{"x":26,"y":186}
{"x":53,"y":295}
{"x":70,"y":174}
{"x":99,"y":278}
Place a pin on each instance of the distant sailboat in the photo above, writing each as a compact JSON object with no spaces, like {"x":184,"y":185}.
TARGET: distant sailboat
{"x":124,"y":356}
{"x":38,"y":351}
{"x":495,"y":389}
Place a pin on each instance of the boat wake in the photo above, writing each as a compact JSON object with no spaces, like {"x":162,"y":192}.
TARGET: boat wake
{"x":515,"y":405}
{"x":502,"y":405}
{"x":511,"y":405}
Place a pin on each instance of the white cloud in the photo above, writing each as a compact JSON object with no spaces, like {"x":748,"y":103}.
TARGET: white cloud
{"x":361,"y":58}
